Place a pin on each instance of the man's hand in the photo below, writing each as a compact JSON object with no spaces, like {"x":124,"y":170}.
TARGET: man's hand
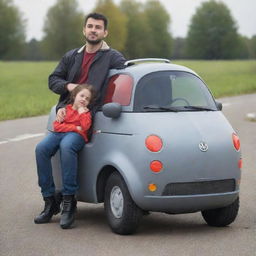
{"x":71,"y":86}
{"x":61,"y":115}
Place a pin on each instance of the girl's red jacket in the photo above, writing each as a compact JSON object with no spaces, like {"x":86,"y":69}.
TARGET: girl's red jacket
{"x":72,"y":120}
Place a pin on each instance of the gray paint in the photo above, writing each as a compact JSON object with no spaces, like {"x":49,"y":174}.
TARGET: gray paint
{"x":120,"y":143}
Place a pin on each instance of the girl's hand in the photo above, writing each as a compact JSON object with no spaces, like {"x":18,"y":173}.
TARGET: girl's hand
{"x":79,"y":128}
{"x":82,"y":110}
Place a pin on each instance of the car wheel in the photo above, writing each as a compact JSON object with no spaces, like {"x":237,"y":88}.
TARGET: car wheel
{"x":122,"y":213}
{"x":222,"y":216}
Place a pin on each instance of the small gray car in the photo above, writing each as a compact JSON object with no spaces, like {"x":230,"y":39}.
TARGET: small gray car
{"x":160,"y":143}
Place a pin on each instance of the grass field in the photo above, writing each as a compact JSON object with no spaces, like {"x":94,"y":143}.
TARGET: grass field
{"x":24,"y":87}
{"x":226,"y":78}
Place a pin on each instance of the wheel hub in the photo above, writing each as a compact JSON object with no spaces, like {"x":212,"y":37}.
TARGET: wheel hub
{"x":117,"y":202}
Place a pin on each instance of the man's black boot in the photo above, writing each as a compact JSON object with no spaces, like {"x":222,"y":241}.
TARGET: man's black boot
{"x":51,"y":207}
{"x":68,"y":211}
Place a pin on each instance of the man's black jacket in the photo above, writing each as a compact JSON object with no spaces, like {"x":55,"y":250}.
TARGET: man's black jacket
{"x":69,"y":68}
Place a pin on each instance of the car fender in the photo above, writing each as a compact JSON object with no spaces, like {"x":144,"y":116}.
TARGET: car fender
{"x":51,"y":118}
{"x":127,"y":170}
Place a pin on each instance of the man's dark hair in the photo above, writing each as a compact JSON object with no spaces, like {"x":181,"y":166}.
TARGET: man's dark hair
{"x":97,"y":16}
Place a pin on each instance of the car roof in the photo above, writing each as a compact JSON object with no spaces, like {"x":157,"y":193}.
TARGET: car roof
{"x":139,"y":70}
{"x":141,"y":67}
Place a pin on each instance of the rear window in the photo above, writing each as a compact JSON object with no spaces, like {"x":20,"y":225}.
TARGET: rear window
{"x":175,"y":89}
{"x":119,"y":89}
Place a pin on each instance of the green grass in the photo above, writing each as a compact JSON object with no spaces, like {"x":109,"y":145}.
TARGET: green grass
{"x":24,"y":85}
{"x":24,"y":89}
{"x":225,"y":78}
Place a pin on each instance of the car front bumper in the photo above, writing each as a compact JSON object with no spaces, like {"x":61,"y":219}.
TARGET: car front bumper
{"x":188,"y":203}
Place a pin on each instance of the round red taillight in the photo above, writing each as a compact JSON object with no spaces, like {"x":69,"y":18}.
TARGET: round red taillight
{"x":156,"y":166}
{"x":153,"y":143}
{"x":236,"y":141}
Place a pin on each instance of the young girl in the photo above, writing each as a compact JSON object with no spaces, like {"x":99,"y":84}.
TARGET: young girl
{"x":69,"y":137}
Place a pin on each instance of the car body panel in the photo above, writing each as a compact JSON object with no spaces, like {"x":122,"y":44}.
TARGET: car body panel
{"x":119,"y":144}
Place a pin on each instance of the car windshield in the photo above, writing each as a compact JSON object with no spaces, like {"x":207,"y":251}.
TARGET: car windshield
{"x":172,"y":91}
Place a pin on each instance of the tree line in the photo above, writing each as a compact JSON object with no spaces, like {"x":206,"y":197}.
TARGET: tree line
{"x":136,"y":29}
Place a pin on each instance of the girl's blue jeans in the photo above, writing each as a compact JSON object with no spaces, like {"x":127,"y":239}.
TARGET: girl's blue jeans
{"x":69,"y":144}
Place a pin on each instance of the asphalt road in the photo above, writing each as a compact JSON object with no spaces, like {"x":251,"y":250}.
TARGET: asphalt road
{"x":158,"y":234}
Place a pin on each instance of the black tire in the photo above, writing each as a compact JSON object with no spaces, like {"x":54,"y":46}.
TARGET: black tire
{"x":122,"y":213}
{"x":221,"y":217}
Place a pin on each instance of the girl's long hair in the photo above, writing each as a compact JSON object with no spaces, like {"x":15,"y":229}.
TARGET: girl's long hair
{"x":78,"y":89}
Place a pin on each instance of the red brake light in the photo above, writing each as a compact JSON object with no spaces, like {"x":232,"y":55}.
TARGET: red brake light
{"x":156,"y":166}
{"x":240,"y":163}
{"x":236,"y":141}
{"x":153,"y":143}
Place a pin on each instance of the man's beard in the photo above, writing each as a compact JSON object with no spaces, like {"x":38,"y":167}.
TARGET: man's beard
{"x":93,"y":42}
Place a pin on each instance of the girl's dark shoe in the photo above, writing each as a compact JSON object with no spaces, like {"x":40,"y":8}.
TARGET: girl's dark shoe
{"x":51,"y":208}
{"x":68,"y":211}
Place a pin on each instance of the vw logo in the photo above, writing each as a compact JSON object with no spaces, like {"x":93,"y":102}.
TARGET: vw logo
{"x":203,"y":146}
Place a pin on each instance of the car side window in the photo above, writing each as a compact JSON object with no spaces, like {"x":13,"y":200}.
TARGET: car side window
{"x":119,"y":89}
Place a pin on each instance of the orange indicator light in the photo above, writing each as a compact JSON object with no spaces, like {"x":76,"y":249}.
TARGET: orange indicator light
{"x":152,"y":187}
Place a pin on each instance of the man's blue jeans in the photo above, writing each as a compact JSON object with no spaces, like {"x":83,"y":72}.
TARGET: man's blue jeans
{"x":69,"y":144}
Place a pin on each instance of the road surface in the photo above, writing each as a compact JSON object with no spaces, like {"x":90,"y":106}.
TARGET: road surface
{"x":158,"y":233}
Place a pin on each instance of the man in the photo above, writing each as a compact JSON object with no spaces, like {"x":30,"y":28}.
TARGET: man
{"x":89,"y":64}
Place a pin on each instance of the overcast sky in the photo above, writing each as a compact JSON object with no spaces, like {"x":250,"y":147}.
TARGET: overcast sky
{"x":181,"y":11}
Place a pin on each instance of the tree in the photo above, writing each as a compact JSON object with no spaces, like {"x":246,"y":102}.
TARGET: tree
{"x":243,"y":48}
{"x":62,"y":28}
{"x":158,"y":21}
{"x":212,"y":33}
{"x":117,"y":23}
{"x":12,"y":31}
{"x":33,"y":50}
{"x":178,"y":49}
{"x":138,"y":32}
{"x":252,"y":47}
